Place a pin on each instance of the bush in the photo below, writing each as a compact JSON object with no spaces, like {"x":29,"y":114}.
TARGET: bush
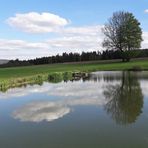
{"x":55,"y":77}
{"x":67,"y":76}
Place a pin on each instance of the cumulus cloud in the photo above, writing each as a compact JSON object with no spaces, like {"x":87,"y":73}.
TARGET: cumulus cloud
{"x":75,"y":43}
{"x":83,"y":30}
{"x":20,"y":44}
{"x":34,"y":22}
{"x":71,"y":39}
{"x":12,"y":49}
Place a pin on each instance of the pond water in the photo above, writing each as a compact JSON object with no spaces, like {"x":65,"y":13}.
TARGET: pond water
{"x":106,"y":110}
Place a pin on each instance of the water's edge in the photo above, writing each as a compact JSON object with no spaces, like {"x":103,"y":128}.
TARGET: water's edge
{"x":55,"y":77}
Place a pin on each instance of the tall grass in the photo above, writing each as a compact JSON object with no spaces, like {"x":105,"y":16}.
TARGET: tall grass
{"x":36,"y":79}
{"x":17,"y":82}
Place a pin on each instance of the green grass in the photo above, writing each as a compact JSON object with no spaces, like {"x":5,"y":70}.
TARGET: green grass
{"x":18,"y":72}
{"x":30,"y":74}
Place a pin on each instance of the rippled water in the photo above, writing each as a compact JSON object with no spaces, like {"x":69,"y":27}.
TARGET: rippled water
{"x":106,"y":110}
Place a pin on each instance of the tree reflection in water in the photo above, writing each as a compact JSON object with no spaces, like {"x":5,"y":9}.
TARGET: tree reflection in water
{"x":124,"y":100}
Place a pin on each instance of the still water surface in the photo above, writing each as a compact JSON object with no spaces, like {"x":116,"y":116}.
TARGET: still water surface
{"x":105,"y":110}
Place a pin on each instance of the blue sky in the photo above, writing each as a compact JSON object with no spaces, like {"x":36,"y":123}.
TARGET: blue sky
{"x":35,"y":28}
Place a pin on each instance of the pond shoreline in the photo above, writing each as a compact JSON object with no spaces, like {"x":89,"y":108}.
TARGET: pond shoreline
{"x":22,"y":76}
{"x":40,"y":78}
{"x":55,"y":77}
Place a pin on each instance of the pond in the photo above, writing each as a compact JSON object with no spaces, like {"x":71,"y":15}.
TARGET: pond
{"x":105,"y":109}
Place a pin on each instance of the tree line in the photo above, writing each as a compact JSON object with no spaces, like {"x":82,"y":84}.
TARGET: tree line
{"x":76,"y":57}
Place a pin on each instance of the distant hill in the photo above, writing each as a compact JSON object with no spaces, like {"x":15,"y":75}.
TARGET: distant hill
{"x":2,"y":61}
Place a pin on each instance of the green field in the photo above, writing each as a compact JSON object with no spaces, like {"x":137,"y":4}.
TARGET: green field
{"x":29,"y":74}
{"x":18,"y":72}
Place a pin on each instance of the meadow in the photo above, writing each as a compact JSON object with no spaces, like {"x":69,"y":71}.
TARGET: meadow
{"x":11,"y":77}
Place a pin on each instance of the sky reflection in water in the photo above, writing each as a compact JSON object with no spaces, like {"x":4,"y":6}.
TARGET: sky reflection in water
{"x":119,"y":93}
{"x":107,"y":109}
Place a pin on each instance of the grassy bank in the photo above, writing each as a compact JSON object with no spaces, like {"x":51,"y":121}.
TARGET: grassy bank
{"x":31,"y":74}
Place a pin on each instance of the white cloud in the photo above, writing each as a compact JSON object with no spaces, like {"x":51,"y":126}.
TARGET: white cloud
{"x":146,"y":11}
{"x":75,"y":43}
{"x":83,"y":30}
{"x":70,"y":39}
{"x":34,"y":22}
{"x":20,"y":44}
{"x":12,"y":49}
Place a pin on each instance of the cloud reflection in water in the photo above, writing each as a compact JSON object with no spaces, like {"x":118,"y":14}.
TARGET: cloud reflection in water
{"x":39,"y":111}
{"x":50,"y":110}
{"x":90,"y":92}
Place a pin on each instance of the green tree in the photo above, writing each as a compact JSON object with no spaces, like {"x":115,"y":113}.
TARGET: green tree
{"x":123,"y":33}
